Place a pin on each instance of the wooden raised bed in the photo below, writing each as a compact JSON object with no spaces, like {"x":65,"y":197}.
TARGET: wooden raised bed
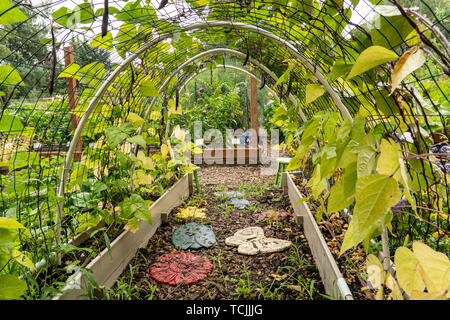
{"x":333,"y":281}
{"x":244,"y":155}
{"x":105,"y":270}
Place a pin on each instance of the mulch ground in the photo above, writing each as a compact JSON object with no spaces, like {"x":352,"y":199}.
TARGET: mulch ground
{"x":290,"y":274}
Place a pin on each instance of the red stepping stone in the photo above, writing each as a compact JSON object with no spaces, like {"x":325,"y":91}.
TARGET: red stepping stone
{"x":182,"y":267}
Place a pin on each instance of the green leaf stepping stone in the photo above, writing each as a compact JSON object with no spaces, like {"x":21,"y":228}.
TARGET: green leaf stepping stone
{"x":193,"y":236}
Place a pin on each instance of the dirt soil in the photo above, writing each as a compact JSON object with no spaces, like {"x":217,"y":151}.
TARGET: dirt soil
{"x":290,"y":274}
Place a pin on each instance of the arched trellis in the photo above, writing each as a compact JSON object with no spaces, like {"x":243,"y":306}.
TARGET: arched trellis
{"x":210,"y":53}
{"x":275,"y":78}
{"x":206,"y":24}
{"x":246,"y":72}
{"x":322,"y":32}
{"x":258,"y":65}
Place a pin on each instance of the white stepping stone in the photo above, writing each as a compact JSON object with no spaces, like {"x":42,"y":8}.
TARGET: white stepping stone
{"x":251,"y":241}
{"x":244,"y":235}
{"x":263,"y":245}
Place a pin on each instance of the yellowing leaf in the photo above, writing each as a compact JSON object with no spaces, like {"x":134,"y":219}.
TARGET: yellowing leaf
{"x":408,"y":274}
{"x":375,"y":195}
{"x":278,"y":277}
{"x":420,"y":295}
{"x":313,"y":91}
{"x":147,"y":162}
{"x":164,"y":149}
{"x":388,"y":161}
{"x":375,"y":271}
{"x":410,"y":61}
{"x":371,"y":58}
{"x":434,"y":268}
{"x":7,"y":223}
{"x":22,"y":259}
{"x":390,"y":282}
{"x":316,"y":183}
{"x":134,"y":119}
{"x":180,"y":134}
{"x":141,"y":178}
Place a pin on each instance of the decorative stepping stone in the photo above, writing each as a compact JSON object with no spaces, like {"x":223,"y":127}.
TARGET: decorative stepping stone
{"x":244,"y":235}
{"x":193,"y":236}
{"x":239,"y":203}
{"x":182,"y":267}
{"x":192,"y":212}
{"x":231,"y":194}
{"x":251,"y":241}
{"x":273,"y":215}
{"x":263,"y":245}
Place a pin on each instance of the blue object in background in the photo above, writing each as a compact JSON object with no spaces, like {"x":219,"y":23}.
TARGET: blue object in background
{"x":239,"y":203}
{"x":246,"y":138}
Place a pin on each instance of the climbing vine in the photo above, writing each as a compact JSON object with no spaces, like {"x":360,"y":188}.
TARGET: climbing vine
{"x":374,"y":94}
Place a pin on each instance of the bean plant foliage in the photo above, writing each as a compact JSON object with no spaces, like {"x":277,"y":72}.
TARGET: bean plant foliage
{"x":384,"y":161}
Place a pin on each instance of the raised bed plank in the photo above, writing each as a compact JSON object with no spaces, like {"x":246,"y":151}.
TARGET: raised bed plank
{"x":332,"y":278}
{"x":105,"y":270}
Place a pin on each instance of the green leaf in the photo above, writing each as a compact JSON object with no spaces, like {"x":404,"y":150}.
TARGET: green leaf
{"x":7,"y":238}
{"x":135,"y":207}
{"x":340,"y":69}
{"x":392,"y":30}
{"x":390,"y":163}
{"x":385,"y":103}
{"x":91,"y":74}
{"x":285,"y":76}
{"x":316,"y":183}
{"x":367,"y":154}
{"x":105,"y":43}
{"x":295,"y":163}
{"x":108,"y":244}
{"x":201,"y":2}
{"x":84,"y":13}
{"x":139,"y":140}
{"x":11,"y":287}
{"x":23,"y":259}
{"x":9,"y":76}
{"x":313,"y":91}
{"x":9,"y":124}
{"x":371,"y":58}
{"x":375,"y":195}
{"x":148,"y":89}
{"x":8,"y":15}
{"x":71,"y":71}
{"x":62,"y":15}
{"x":115,"y":135}
{"x":342,"y":194}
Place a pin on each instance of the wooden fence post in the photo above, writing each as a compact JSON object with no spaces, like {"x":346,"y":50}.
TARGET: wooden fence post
{"x":253,"y":157}
{"x":73,"y":100}
{"x":254,"y":105}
